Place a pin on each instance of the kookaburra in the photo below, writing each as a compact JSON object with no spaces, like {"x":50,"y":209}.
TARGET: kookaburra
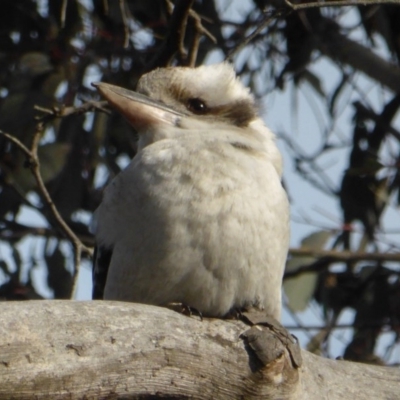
{"x":199,"y":216}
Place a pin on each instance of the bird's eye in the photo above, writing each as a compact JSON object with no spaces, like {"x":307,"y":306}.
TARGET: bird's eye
{"x":197,"y":106}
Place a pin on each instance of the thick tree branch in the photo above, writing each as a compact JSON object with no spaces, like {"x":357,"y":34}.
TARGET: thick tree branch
{"x":344,"y":50}
{"x":92,"y":350}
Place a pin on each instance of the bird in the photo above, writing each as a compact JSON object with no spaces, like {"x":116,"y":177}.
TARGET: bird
{"x":199,"y":217}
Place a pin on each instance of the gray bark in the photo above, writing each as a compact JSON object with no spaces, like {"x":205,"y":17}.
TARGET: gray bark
{"x":97,"y":350}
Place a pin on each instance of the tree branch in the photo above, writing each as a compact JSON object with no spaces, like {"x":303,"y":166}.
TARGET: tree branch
{"x":199,"y":31}
{"x":344,"y":50}
{"x":136,"y":351}
{"x":323,"y":258}
{"x":257,"y":31}
{"x":338,"y":3}
{"x":125,"y":21}
{"x":34,"y":165}
{"x":175,"y":38}
{"x":345,"y":256}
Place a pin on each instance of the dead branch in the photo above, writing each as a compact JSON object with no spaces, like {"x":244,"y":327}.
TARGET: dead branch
{"x":74,"y":350}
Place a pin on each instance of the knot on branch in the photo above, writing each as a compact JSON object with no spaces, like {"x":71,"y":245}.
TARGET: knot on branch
{"x":277,"y":352}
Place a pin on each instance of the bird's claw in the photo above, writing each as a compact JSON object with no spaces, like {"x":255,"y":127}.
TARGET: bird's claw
{"x":185,"y":310}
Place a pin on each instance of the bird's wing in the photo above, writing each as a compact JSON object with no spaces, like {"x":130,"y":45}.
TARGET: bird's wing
{"x":101,"y":262}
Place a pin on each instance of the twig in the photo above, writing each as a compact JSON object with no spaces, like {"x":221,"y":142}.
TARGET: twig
{"x":63,"y":13}
{"x":34,"y":165}
{"x":125,"y":21}
{"x":197,"y":18}
{"x":176,"y":33}
{"x":17,"y":142}
{"x":194,"y":49}
{"x":326,"y":257}
{"x":322,"y":180}
{"x":199,"y":31}
{"x":184,"y":13}
{"x":341,"y":326}
{"x":11,"y":230}
{"x":339,"y":3}
{"x":262,"y":25}
{"x":345,"y":255}
{"x":56,"y":112}
{"x":177,"y":30}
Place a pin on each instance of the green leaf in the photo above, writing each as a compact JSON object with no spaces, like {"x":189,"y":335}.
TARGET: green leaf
{"x":52,"y":157}
{"x":300,"y":289}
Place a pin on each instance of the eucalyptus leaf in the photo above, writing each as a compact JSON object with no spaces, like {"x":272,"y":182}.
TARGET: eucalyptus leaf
{"x":52,"y":158}
{"x":300,"y":289}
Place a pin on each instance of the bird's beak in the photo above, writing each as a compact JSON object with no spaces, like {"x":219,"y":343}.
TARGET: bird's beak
{"x":141,"y":111}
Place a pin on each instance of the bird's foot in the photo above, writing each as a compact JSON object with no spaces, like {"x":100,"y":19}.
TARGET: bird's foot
{"x":239,"y":312}
{"x":185,"y":309}
{"x":234,"y":313}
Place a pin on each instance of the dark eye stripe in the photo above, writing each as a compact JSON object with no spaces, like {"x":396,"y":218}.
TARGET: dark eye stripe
{"x":240,"y":113}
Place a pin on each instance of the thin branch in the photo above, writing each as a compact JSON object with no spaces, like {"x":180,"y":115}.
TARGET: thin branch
{"x":61,"y":112}
{"x":199,"y":31}
{"x":11,"y":230}
{"x":195,"y":45}
{"x":297,"y":319}
{"x":180,"y":29}
{"x":367,"y":113}
{"x":261,"y":26}
{"x":326,"y":257}
{"x":341,"y":326}
{"x":34,"y":165}
{"x":173,"y":42}
{"x":181,"y":34}
{"x":322,"y":180}
{"x":125,"y":21}
{"x":345,"y":256}
{"x":197,"y":18}
{"x":339,"y":3}
{"x":18,"y":143}
{"x":63,"y":13}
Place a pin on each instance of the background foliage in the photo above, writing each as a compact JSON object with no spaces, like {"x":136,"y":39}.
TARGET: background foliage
{"x":50,"y":52}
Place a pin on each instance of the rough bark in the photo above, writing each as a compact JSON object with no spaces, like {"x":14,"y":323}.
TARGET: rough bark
{"x":97,"y":350}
